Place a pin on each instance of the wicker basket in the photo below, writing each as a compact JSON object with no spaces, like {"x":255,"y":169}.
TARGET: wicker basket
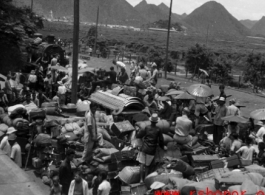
{"x":123,"y":155}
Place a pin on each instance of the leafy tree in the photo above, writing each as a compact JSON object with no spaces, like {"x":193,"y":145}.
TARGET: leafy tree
{"x":16,"y":27}
{"x":255,"y":68}
{"x":198,"y":57}
{"x":220,"y":69}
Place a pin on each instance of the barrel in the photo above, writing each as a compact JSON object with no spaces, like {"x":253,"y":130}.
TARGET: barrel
{"x":162,"y":124}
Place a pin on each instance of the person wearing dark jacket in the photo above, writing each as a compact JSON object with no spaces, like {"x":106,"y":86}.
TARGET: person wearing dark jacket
{"x":151,"y":137}
{"x":66,"y":174}
{"x":123,"y":76}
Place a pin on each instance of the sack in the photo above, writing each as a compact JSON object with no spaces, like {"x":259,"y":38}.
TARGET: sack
{"x":107,"y":144}
{"x":82,"y":108}
{"x":3,"y":128}
{"x":18,"y":112}
{"x":100,"y":152}
{"x":204,"y":186}
{"x":43,"y":140}
{"x":70,"y":127}
{"x":12,"y":108}
{"x":21,"y":124}
{"x":181,"y":166}
{"x":70,"y":136}
{"x":51,"y":110}
{"x":256,"y":169}
{"x":7,"y":120}
{"x":104,"y":133}
{"x":37,"y":113}
{"x":179,"y":183}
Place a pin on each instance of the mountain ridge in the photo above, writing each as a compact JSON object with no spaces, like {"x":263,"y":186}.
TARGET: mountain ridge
{"x":259,"y":27}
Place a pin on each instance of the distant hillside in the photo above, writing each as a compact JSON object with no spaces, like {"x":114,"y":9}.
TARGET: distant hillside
{"x":248,"y":23}
{"x":153,"y":13}
{"x":163,"y":24}
{"x":259,"y":27}
{"x":111,"y":11}
{"x":217,"y":19}
{"x":165,"y":9}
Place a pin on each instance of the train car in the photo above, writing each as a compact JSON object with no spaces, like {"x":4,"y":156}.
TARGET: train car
{"x":15,"y":181}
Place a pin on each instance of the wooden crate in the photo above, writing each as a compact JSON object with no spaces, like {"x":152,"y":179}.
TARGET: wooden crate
{"x":200,"y":170}
{"x":125,"y":190}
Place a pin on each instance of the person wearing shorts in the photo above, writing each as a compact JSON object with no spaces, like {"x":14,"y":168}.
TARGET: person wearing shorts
{"x":151,"y":137}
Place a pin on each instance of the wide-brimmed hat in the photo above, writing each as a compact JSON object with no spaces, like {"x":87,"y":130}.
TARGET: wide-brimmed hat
{"x":12,"y":137}
{"x":221,"y":99}
{"x":154,"y":118}
{"x":11,"y":130}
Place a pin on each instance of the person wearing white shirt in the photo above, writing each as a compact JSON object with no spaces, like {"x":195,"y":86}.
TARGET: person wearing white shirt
{"x":119,"y":65}
{"x":4,"y":145}
{"x":15,"y":154}
{"x":247,"y":152}
{"x":232,"y":110}
{"x":260,"y":133}
{"x":104,"y":188}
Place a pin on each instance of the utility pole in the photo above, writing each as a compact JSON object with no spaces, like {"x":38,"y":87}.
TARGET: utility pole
{"x":75,"y":51}
{"x":168,"y":36}
{"x":31,"y":7}
{"x":95,"y":46}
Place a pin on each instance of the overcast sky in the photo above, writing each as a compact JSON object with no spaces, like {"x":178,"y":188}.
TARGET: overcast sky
{"x":240,"y":9}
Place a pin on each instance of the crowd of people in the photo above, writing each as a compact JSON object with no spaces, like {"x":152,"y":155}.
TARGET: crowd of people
{"x":186,"y":116}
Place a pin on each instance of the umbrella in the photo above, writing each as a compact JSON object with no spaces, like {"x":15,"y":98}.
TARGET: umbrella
{"x":59,"y":68}
{"x":200,"y":90}
{"x":204,"y":71}
{"x":258,"y":114}
{"x":174,"y":92}
{"x":236,"y":119}
{"x":164,"y":98}
{"x":184,"y":96}
{"x":90,"y":70}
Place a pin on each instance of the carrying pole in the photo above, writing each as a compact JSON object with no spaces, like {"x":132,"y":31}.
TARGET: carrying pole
{"x":168,"y":36}
{"x":75,"y":52}
{"x":96,"y":38}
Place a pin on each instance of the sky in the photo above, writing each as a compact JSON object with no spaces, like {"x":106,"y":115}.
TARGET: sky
{"x":240,"y":9}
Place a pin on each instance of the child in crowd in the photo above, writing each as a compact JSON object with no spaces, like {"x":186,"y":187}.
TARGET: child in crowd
{"x":56,"y":188}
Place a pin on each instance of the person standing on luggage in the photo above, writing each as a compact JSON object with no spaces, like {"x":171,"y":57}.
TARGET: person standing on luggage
{"x":65,"y":172}
{"x":222,"y":91}
{"x":220,"y":112}
{"x":151,"y":136}
{"x":90,"y":134}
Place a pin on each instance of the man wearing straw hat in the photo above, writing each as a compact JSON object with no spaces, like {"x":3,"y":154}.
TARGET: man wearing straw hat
{"x":220,"y":112}
{"x":151,"y":137}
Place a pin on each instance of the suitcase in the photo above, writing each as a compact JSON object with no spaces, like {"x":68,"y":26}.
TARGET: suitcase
{"x":203,"y":160}
{"x":37,"y":113}
{"x":233,"y":161}
{"x":120,"y":129}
